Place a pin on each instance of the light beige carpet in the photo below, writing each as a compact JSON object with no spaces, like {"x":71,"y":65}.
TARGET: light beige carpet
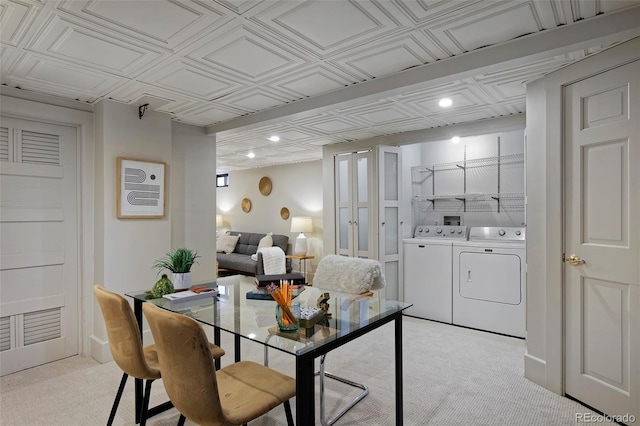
{"x":452,"y":376}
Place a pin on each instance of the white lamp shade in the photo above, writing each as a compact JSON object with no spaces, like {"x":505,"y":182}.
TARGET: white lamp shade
{"x":301,"y":224}
{"x":218,"y":221}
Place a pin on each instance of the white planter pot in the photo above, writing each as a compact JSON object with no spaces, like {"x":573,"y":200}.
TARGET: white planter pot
{"x":181,"y":281}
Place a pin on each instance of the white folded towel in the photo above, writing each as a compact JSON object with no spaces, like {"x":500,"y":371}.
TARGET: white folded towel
{"x":273,"y":260}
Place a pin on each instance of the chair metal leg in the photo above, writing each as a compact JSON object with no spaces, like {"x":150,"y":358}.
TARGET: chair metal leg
{"x":322,"y":373}
{"x":287,"y":410}
{"x":116,"y":402}
{"x":145,"y":403}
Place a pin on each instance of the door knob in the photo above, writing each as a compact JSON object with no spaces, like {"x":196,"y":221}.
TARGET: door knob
{"x":575,"y":260}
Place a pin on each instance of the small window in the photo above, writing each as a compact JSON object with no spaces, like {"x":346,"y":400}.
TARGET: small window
{"x":222,"y":180}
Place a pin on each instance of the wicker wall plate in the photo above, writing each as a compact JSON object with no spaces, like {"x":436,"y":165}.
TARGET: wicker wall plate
{"x":246,"y":205}
{"x":284,"y":213}
{"x":265,"y":186}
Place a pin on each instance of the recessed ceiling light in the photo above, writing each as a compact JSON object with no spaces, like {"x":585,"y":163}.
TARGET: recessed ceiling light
{"x":251,"y":155}
{"x":455,"y":139}
{"x":274,"y":138}
{"x":445,"y":102}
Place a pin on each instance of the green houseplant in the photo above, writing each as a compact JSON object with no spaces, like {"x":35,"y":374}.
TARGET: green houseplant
{"x":179,"y":261}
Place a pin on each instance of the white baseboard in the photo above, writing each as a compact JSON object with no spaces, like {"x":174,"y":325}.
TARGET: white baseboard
{"x":100,"y":350}
{"x":535,"y":369}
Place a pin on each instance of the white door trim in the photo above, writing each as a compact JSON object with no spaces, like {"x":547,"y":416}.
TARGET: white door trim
{"x":544,"y":362}
{"x":83,"y":122}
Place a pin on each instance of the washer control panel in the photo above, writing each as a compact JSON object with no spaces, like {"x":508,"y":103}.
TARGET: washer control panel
{"x":513,"y":234}
{"x":441,"y":231}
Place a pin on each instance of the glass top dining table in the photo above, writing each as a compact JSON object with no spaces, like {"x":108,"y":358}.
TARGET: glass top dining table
{"x":231,"y":311}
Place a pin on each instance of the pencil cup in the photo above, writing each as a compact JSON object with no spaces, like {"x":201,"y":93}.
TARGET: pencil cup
{"x":285,"y":321}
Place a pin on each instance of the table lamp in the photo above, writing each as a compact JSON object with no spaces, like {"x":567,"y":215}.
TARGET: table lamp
{"x":301,"y":225}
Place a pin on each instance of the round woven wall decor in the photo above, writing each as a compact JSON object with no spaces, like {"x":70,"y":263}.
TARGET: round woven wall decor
{"x":265,"y":186}
{"x":284,"y":213}
{"x":246,"y":205}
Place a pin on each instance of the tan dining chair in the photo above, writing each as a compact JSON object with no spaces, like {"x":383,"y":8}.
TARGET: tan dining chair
{"x":233,"y":395}
{"x":350,"y":275}
{"x":126,"y":347}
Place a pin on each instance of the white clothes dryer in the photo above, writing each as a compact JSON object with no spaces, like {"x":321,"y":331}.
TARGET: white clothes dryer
{"x":428,"y":273}
{"x":489,"y":280}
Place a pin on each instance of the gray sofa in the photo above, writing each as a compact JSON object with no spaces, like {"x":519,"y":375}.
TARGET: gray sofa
{"x":240,"y":260}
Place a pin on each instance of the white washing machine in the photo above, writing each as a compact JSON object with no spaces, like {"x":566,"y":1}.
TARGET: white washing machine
{"x":489,"y":280}
{"x":427,"y":271}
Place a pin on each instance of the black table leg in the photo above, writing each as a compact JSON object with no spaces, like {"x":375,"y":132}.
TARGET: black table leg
{"x":237,"y":348}
{"x":305,"y":391}
{"x":399,"y":408}
{"x":137,"y":310}
{"x":216,"y":340}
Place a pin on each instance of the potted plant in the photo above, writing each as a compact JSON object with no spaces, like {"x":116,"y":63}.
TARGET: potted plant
{"x":179,"y":262}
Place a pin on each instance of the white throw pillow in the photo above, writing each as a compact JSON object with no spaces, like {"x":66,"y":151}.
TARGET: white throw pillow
{"x":266,"y":241}
{"x":226,"y":243}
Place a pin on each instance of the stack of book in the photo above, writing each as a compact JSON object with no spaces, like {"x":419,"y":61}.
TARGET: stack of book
{"x":262,"y":281}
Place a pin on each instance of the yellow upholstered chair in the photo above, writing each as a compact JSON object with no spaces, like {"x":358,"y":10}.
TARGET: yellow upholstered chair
{"x":233,"y":395}
{"x":126,"y":347}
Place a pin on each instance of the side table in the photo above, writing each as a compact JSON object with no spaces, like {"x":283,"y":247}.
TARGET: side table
{"x":302,"y":262}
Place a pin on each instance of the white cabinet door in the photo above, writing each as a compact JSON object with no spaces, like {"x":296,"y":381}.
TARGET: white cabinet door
{"x":38,"y":244}
{"x":354,"y":203}
{"x":390,"y":224}
{"x":602,"y":215}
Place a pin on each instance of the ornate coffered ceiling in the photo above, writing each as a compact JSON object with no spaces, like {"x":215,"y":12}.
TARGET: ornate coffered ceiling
{"x":313,"y":72}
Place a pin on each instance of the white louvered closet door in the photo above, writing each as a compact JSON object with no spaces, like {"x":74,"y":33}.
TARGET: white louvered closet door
{"x":38,"y":244}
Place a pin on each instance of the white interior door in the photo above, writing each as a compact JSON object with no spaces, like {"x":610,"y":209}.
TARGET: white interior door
{"x":38,"y":244}
{"x":602,"y":228}
{"x":390,"y":224}
{"x":353,"y":191}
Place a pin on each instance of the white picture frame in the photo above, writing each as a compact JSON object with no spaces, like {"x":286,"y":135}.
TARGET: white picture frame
{"x":141,"y":189}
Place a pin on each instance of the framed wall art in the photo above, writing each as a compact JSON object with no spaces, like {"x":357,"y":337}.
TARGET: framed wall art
{"x":141,"y":189}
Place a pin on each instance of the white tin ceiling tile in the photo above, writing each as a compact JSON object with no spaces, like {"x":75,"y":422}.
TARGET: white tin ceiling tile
{"x":611,"y":6}
{"x":245,"y":53}
{"x":549,"y":13}
{"x":428,"y":11}
{"x":136,"y":94}
{"x":442,"y":30}
{"x":208,"y":113}
{"x":253,"y":99}
{"x":239,"y":7}
{"x":380,"y":113}
{"x":7,"y":55}
{"x":15,"y":19}
{"x":465,"y":117}
{"x":69,"y":41}
{"x":407,"y":126}
{"x":491,"y":26}
{"x":305,"y":24}
{"x":329,"y":124}
{"x":191,"y":80}
{"x":174,"y":23}
{"x":49,"y":76}
{"x":386,"y":58}
{"x":427,"y":105}
{"x":310,"y":81}
{"x":357,"y":134}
